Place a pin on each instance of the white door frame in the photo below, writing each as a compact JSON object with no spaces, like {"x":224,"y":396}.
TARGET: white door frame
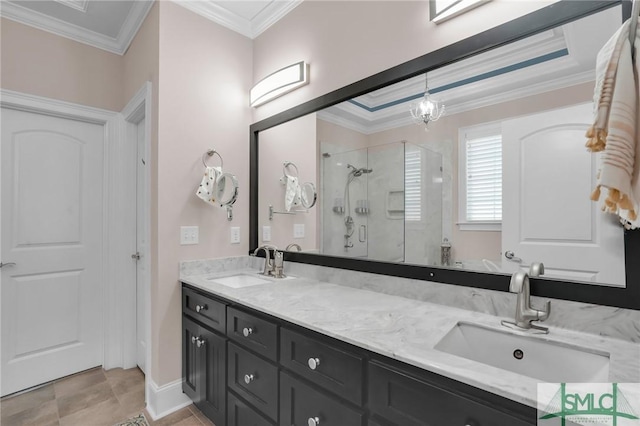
{"x":137,"y":108}
{"x":115,"y":288}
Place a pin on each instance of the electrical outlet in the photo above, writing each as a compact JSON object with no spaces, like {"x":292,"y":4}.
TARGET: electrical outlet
{"x":266,"y":233}
{"x":235,"y":235}
{"x":188,"y":235}
{"x":298,"y":230}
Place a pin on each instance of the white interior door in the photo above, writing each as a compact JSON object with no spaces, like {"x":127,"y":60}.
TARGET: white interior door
{"x":52,"y":201}
{"x":548,"y":176}
{"x":142,"y":246}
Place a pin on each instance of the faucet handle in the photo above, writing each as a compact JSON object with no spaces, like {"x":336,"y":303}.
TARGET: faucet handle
{"x":543,"y":314}
{"x":536,"y":269}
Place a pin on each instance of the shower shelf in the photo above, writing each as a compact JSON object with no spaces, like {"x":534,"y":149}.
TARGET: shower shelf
{"x":272,"y":212}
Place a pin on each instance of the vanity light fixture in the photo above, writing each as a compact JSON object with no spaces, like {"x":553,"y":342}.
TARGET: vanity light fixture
{"x":280,"y":82}
{"x":441,"y":10}
{"x":428,"y":109}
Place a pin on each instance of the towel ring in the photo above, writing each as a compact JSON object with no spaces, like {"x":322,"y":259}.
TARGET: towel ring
{"x":287,"y":164}
{"x":211,"y":153}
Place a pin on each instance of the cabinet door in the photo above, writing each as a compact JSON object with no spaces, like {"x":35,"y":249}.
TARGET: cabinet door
{"x":191,"y":384}
{"x":212,"y":396}
{"x":241,"y":414}
{"x":410,"y":401}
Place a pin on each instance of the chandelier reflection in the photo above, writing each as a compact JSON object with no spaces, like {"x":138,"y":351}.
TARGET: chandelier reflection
{"x":428,"y":109}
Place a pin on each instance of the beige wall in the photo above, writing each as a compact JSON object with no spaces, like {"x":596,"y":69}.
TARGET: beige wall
{"x":43,"y":64}
{"x":346,"y":41}
{"x":204,"y":81}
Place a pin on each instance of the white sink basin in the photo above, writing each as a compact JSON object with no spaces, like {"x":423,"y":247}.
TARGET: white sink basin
{"x":240,"y":281}
{"x":541,"y":359}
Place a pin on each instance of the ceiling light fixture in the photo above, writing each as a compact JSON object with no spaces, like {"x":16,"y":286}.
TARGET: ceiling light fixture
{"x":428,"y":109}
{"x":279,"y":83}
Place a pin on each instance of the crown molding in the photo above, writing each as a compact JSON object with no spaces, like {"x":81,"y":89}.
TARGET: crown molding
{"x":80,"y":5}
{"x":268,"y":16}
{"x":117,"y":45}
{"x":219,"y":15}
{"x":271,"y":14}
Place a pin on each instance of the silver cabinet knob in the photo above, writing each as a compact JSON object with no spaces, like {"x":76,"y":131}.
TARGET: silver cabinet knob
{"x":313,"y":421}
{"x":247,"y":331}
{"x":193,"y":340}
{"x":200,"y":342}
{"x":248,"y":378}
{"x":136,"y":255}
{"x":313,"y":363}
{"x":201,"y":308}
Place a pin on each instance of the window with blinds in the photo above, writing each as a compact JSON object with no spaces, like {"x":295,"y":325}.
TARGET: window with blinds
{"x":412,"y":186}
{"x":481,"y":178}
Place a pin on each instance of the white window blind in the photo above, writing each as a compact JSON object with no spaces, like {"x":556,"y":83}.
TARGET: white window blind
{"x":412,"y":186}
{"x":484,"y":179}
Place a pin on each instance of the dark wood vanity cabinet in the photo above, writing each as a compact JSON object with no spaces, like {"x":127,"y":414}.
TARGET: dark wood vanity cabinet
{"x":250,"y":369}
{"x":204,"y":369}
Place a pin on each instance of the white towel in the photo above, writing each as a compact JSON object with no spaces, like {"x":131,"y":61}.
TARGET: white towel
{"x":207,"y":191}
{"x":292,"y":193}
{"x":616,"y":128}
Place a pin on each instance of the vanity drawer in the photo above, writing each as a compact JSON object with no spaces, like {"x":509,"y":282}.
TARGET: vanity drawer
{"x":255,"y":333}
{"x":409,"y":401}
{"x":240,"y":414}
{"x":326,"y":366}
{"x":299,"y":403}
{"x":204,"y":309}
{"x":254,"y":379}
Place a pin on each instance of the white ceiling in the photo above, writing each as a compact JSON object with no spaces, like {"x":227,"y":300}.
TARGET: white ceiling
{"x":112,"y":24}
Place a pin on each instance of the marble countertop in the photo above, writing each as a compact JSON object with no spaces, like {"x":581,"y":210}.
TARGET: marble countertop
{"x":405,"y":329}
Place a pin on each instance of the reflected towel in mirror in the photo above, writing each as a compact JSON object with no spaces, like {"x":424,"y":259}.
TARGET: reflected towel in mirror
{"x":616,"y":131}
{"x":292,"y":193}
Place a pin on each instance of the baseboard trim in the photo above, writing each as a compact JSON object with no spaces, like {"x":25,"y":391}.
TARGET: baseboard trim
{"x":166,"y":399}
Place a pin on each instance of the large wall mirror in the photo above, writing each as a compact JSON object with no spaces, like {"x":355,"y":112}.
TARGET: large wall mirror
{"x":495,"y":178}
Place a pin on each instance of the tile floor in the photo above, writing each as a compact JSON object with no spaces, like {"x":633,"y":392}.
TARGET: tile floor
{"x":92,"y":398}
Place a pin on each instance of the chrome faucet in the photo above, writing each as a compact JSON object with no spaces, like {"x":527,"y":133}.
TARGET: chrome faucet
{"x":525,"y":313}
{"x":268,"y":262}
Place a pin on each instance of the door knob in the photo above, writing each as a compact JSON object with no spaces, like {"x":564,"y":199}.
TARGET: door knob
{"x":313,"y":421}
{"x":136,"y":256}
{"x":512,"y":256}
{"x":247,"y":331}
{"x":248,"y":378}
{"x":7,"y":264}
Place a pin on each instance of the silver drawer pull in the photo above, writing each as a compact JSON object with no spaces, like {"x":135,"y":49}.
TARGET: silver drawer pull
{"x":313,"y":363}
{"x":248,"y":378}
{"x":201,"y":308}
{"x":313,"y":421}
{"x":246,"y":332}
{"x":200,"y":342}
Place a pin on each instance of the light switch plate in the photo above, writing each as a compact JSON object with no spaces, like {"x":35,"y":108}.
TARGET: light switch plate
{"x":298,"y":230}
{"x":266,"y":233}
{"x":188,"y":235}
{"x":235,"y":235}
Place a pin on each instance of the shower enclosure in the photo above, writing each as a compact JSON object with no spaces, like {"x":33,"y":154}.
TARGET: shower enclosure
{"x":382,"y":203}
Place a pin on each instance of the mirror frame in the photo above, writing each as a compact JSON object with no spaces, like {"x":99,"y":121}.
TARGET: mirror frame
{"x":546,"y":18}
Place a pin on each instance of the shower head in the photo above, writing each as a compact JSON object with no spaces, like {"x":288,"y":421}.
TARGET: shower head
{"x":358,"y":172}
